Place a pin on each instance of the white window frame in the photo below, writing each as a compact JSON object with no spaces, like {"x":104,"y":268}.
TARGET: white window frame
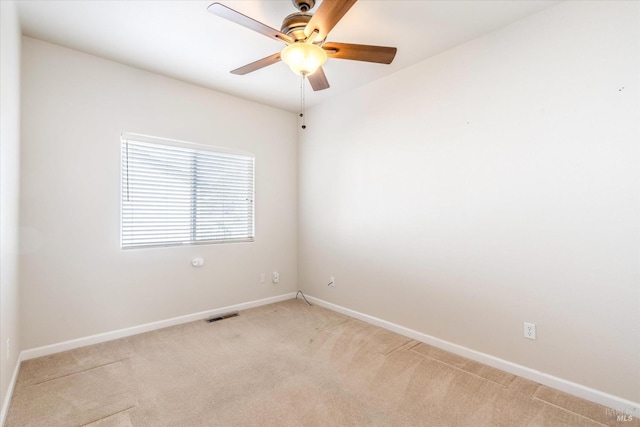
{"x":160,"y":183}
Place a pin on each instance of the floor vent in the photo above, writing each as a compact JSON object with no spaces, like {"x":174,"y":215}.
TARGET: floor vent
{"x":221,"y":317}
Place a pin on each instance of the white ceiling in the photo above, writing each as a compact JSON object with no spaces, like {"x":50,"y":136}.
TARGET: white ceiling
{"x":181,"y":39}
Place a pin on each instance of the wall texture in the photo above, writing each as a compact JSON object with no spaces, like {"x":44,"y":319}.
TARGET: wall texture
{"x":493,"y":184}
{"x":9,"y":192}
{"x":75,"y":279}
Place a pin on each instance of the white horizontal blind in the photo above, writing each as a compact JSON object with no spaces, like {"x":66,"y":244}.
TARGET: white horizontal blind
{"x":173,"y":195}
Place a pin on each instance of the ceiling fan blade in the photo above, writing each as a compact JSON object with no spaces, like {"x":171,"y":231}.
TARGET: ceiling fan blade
{"x":327,"y":16}
{"x":318,"y":80}
{"x":250,"y":23}
{"x":260,"y":63}
{"x":360,"y":52}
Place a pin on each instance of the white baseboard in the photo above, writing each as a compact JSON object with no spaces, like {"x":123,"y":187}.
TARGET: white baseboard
{"x":587,"y":393}
{"x":7,"y":397}
{"x":32,"y":353}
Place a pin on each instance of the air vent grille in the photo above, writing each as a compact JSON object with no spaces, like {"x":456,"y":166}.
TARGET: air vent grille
{"x":221,"y":317}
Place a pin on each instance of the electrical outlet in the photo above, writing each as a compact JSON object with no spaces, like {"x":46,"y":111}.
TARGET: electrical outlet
{"x":332,"y":281}
{"x":530,"y":330}
{"x":275,"y":277}
{"x":262,"y":277}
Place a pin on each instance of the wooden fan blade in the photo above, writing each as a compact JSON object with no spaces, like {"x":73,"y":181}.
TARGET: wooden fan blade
{"x":260,"y":63}
{"x":318,"y":80}
{"x":327,"y":16}
{"x":250,"y":23}
{"x":360,"y":52}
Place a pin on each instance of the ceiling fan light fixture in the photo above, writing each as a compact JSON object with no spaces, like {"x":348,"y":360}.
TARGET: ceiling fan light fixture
{"x":303,"y":58}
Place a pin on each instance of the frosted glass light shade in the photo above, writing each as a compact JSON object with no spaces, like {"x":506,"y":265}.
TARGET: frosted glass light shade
{"x":303,"y":58}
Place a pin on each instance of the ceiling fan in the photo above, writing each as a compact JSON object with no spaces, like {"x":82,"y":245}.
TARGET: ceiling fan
{"x":305,"y":34}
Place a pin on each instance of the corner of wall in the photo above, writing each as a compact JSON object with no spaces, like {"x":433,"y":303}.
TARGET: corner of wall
{"x":10,"y":45}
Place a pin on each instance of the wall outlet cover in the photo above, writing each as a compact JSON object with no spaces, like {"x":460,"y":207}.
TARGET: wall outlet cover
{"x":530,"y":330}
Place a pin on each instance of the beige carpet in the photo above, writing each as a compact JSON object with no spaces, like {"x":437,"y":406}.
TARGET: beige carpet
{"x":285,"y":364}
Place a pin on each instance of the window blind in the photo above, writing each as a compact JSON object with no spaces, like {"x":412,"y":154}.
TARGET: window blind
{"x":173,"y":195}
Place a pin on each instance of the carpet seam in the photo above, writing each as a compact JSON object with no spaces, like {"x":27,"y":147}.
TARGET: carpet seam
{"x":397,"y":348}
{"x":513,"y":377}
{"x":107,"y":416}
{"x":535,"y":397}
{"x":79,"y":372}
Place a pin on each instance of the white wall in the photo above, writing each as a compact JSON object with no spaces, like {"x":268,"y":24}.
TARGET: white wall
{"x":75,"y":279}
{"x":9,"y":192}
{"x":493,"y":184}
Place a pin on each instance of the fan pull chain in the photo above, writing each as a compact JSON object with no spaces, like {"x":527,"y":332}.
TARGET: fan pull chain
{"x":302,"y":101}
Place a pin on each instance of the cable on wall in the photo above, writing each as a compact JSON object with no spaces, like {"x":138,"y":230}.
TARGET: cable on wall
{"x":305,"y":298}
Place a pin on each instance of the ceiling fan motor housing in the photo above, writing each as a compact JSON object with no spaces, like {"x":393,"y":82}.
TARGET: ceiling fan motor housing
{"x":304,"y":5}
{"x":294,"y":25}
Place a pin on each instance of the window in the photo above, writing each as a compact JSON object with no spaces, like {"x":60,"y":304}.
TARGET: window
{"x":177,"y":193}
